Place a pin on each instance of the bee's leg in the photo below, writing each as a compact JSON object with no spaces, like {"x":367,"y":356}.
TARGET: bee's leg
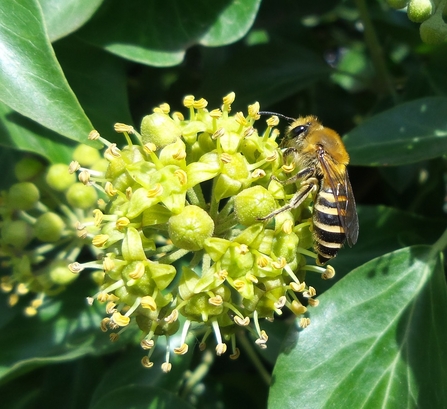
{"x":297,"y":199}
{"x":303,"y":173}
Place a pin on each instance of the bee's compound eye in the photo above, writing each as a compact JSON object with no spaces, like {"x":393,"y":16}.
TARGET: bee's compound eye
{"x":298,"y":130}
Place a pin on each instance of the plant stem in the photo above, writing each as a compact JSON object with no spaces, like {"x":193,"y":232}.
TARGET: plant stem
{"x":176,"y":255}
{"x":441,"y":243}
{"x":248,"y":348}
{"x":375,"y":49}
{"x":198,"y":374}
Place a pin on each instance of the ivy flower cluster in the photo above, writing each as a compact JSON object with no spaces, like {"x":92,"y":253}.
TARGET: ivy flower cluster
{"x":40,"y":228}
{"x":180,"y":230}
{"x":175,"y":221}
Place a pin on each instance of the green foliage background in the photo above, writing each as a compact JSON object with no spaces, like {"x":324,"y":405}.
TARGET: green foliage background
{"x":378,"y":337}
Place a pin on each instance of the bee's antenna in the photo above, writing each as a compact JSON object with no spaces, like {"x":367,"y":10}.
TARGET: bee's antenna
{"x":274,"y":113}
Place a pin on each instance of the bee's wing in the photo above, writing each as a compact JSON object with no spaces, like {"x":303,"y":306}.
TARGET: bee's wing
{"x":338,"y":179}
{"x":352,"y":221}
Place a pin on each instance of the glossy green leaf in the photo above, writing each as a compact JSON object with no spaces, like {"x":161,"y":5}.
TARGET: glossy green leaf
{"x":408,"y":133}
{"x":100,"y":83}
{"x":377,"y":339}
{"x":31,"y":80}
{"x":233,"y":22}
{"x":158,"y":33}
{"x":64,"y":17}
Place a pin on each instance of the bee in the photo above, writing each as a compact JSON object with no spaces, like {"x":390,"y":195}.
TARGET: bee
{"x":321,"y":157}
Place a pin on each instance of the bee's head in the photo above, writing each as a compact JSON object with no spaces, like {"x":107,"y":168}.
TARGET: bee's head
{"x":300,"y":128}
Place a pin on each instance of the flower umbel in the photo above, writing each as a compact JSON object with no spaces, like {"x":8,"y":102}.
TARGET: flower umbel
{"x":199,"y":187}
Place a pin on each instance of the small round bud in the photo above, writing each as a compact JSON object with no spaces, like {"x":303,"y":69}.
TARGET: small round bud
{"x":59,"y":178}
{"x":81,"y":196}
{"x":17,"y":233}
{"x":86,"y":155}
{"x":189,"y":229}
{"x":27,"y":169}
{"x":59,"y":273}
{"x":252,"y":204}
{"x":419,"y":10}
{"x":23,"y":195}
{"x":49,"y":227}
{"x":159,"y":129}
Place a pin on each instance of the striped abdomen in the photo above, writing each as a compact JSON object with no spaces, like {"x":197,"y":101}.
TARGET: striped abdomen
{"x":329,"y":233}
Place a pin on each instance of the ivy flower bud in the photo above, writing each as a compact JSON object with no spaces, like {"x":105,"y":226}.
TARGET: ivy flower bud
{"x":253,"y":204}
{"x":420,"y":10}
{"x":189,"y":229}
{"x":58,"y":177}
{"x":159,"y":129}
{"x":234,"y":175}
{"x":81,"y":196}
{"x":59,"y":273}
{"x":23,"y":195}
{"x":17,"y":233}
{"x":49,"y":227}
{"x":27,"y":169}
{"x":86,"y":155}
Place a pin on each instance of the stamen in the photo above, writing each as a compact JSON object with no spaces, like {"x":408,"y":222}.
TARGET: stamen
{"x":148,"y":302}
{"x":123,"y":128}
{"x":258,"y":174}
{"x":73,"y":167}
{"x":181,"y":350}
{"x":304,"y":322}
{"x":243,"y":322}
{"x":216,"y":300}
{"x":146,"y":362}
{"x":172,"y":317}
{"x":147,"y":344}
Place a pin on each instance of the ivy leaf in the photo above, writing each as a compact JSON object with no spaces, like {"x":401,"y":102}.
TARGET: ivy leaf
{"x":64,"y":17}
{"x":158,"y":33}
{"x":408,"y":133}
{"x":31,"y":80}
{"x":377,"y":339}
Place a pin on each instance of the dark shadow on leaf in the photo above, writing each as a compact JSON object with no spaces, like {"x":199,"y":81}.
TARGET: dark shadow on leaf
{"x":32,"y":137}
